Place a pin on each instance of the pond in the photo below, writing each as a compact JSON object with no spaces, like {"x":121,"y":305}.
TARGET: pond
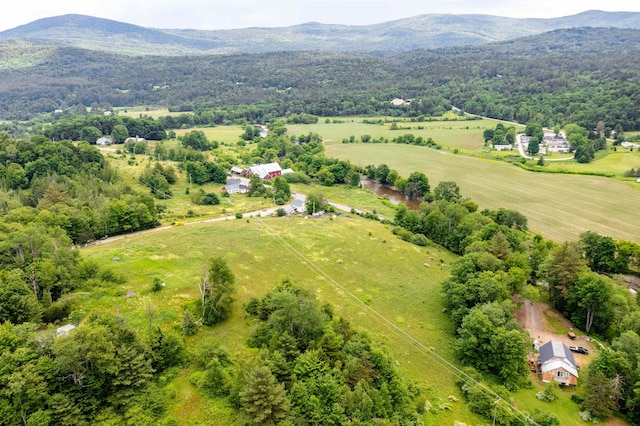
{"x":391,"y":194}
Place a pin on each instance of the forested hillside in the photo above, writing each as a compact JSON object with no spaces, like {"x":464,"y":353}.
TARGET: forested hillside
{"x":578,"y":76}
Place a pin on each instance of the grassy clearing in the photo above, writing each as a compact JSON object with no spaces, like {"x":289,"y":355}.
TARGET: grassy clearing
{"x":559,"y":207}
{"x":149,"y":111}
{"x":616,"y":162}
{"x":356,"y":258}
{"x":226,"y":134}
{"x":461,"y":134}
{"x":355,"y":197}
{"x":362,"y":256}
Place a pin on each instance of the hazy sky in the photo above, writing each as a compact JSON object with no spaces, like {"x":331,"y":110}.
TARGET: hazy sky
{"x":226,"y":14}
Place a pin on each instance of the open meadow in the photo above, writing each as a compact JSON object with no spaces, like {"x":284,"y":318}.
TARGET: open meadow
{"x":352,"y":263}
{"x":372,"y":278}
{"x":461,"y":134}
{"x":558,"y":206}
{"x":610,"y":162}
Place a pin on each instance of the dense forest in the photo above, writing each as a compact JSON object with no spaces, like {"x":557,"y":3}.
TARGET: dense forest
{"x":578,"y":76}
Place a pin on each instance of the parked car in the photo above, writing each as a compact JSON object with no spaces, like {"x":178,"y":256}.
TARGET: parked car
{"x":571,"y":335}
{"x":579,"y":349}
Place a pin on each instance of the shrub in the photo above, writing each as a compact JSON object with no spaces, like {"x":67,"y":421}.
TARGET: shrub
{"x":238,"y":215}
{"x":157,"y":284}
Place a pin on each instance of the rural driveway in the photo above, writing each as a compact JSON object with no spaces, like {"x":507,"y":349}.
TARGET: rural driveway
{"x":536,"y":319}
{"x":261,"y":213}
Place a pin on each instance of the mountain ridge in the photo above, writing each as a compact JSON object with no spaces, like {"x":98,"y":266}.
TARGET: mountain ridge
{"x":428,"y":31}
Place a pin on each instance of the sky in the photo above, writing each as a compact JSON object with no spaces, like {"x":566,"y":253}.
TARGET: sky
{"x":229,"y":14}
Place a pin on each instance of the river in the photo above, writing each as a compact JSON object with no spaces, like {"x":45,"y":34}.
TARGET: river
{"x":391,"y":194}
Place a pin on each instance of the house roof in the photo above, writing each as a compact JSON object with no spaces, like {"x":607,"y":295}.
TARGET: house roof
{"x":559,"y":363}
{"x":262,"y":170}
{"x":297,"y":203}
{"x":556,"y":350}
{"x":234,"y":183}
{"x":285,"y":171}
{"x":236,"y":170}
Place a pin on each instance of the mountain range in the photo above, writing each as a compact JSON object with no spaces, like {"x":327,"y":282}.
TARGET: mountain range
{"x":428,"y":31}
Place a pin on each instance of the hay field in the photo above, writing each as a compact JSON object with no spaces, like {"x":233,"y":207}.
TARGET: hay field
{"x":559,"y":207}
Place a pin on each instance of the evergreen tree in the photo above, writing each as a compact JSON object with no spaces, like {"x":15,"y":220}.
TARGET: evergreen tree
{"x":189,"y":327}
{"x":263,"y":399}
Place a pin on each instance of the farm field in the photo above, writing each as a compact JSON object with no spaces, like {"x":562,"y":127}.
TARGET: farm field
{"x":461,"y":134}
{"x":152,"y":112}
{"x":352,"y":263}
{"x":559,"y":207}
{"x":226,"y":134}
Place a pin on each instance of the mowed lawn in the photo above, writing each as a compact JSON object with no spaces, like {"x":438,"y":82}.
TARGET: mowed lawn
{"x":616,"y":162}
{"x":461,"y":134}
{"x":350,"y":262}
{"x":559,"y":207}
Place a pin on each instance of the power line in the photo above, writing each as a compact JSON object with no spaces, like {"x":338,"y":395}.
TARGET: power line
{"x":409,"y":339}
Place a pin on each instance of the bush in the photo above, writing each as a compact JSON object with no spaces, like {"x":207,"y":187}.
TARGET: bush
{"x":577,"y":398}
{"x":238,"y":215}
{"x":420,"y":240}
{"x":56,"y":311}
{"x":157,"y":284}
{"x":549,"y":393}
{"x":281,"y":212}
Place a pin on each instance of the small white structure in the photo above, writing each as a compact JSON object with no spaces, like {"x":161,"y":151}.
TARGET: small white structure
{"x":104,"y":141}
{"x":399,"y":101}
{"x":64,"y":330}
{"x":236,"y":170}
{"x":507,"y":147}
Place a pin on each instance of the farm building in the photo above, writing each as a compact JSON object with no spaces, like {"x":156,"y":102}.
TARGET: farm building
{"x":297,"y":206}
{"x":557,"y":363}
{"x":507,"y":147}
{"x":236,"y":186}
{"x":265,"y":171}
{"x":237,"y":170}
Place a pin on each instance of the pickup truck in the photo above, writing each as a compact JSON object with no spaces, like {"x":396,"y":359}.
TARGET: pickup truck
{"x":579,"y":349}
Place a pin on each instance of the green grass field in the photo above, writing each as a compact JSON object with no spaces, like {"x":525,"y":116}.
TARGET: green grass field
{"x":615,"y":162}
{"x":151,"y":111}
{"x":226,"y":134}
{"x":363,"y":258}
{"x":559,"y":207}
{"x":354,"y":264}
{"x":461,"y":134}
